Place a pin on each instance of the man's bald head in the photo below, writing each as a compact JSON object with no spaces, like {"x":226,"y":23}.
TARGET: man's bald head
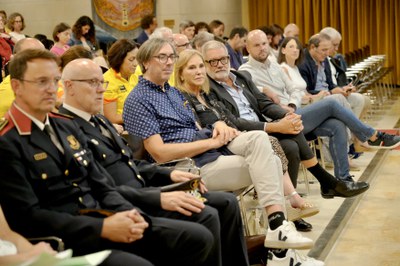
{"x":80,"y":68}
{"x":28,"y":43}
{"x":258,"y":45}
{"x":83,"y":84}
{"x":291,"y":30}
{"x":181,"y":42}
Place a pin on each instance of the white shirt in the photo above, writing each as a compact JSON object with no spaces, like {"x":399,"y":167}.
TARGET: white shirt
{"x":270,"y":74}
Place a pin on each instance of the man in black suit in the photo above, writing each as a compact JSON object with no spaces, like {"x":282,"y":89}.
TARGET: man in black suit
{"x":51,"y":185}
{"x":242,"y":98}
{"x":138,"y":180}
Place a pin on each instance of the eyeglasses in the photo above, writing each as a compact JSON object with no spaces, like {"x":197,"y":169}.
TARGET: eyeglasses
{"x":93,"y":83}
{"x":163,"y":58}
{"x":214,"y":62}
{"x":43,"y":82}
{"x":183,"y":45}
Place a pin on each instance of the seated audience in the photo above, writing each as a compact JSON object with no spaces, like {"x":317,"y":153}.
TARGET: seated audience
{"x":200,"y":39}
{"x":291,"y":30}
{"x":48,"y":44}
{"x":84,"y":34}
{"x":61,"y":35}
{"x":187,"y":27}
{"x":359,"y":102}
{"x":209,"y":110}
{"x":6,"y":46}
{"x":229,"y":160}
{"x":323,"y":118}
{"x":148,"y":23}
{"x":121,"y":78}
{"x":6,"y":93}
{"x":200,"y":27}
{"x":16,"y":24}
{"x":181,"y":42}
{"x":277,"y":35}
{"x":14,"y":248}
{"x":235,"y":45}
{"x":316,"y":71}
{"x":51,"y":184}
{"x":217,"y":28}
{"x":140,"y":181}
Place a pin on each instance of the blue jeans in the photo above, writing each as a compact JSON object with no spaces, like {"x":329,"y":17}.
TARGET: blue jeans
{"x":329,"y":119}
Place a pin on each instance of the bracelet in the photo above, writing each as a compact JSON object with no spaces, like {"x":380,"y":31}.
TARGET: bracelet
{"x":291,"y":194}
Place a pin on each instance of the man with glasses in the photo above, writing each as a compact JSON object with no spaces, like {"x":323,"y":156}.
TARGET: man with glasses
{"x":137,"y":180}
{"x":51,"y":184}
{"x":6,"y":93}
{"x":228,"y":161}
{"x":181,"y":42}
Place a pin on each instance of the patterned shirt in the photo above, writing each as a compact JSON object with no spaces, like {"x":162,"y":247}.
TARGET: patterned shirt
{"x":149,"y":111}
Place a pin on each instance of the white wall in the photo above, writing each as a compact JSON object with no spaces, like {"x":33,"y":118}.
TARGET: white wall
{"x":228,"y":11}
{"x":42,"y":15}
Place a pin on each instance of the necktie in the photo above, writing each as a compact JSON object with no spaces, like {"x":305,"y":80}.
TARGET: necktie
{"x":100,"y":127}
{"x":49,"y":131}
{"x":94,"y":121}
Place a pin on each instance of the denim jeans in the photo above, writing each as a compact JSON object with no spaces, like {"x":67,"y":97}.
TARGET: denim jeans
{"x":329,"y":119}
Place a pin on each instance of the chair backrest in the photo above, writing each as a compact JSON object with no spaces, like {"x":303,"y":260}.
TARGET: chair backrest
{"x":136,"y":145}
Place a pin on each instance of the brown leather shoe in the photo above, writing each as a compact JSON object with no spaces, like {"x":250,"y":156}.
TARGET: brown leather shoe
{"x":256,"y":250}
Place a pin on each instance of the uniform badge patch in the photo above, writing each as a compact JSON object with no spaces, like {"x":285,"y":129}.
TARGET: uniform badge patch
{"x":40,"y":156}
{"x":73,"y":142}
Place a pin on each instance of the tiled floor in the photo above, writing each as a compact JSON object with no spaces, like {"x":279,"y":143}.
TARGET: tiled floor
{"x":364,"y":230}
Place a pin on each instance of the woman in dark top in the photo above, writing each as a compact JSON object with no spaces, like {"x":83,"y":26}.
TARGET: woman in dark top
{"x":193,"y":83}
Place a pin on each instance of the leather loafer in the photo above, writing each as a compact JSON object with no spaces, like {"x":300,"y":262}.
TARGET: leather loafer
{"x":302,"y":225}
{"x":345,"y":189}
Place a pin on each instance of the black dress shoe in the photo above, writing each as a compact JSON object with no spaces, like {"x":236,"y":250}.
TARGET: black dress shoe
{"x":345,"y":189}
{"x":302,"y":226}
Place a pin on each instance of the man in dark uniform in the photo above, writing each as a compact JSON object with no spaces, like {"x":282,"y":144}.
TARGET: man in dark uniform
{"x":51,"y":185}
{"x":133,"y":178}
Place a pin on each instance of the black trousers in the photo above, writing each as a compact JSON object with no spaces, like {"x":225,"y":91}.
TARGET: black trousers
{"x":296,"y":149}
{"x":221,"y":217}
{"x":165,"y":242}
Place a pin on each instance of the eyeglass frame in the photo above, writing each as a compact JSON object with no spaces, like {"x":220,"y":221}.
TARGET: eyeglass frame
{"x":42,"y":82}
{"x":215,"y":62}
{"x":91,"y":82}
{"x":183,"y":45}
{"x":174,"y":57}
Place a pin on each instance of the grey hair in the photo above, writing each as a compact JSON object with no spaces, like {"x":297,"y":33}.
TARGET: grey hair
{"x":317,"y":38}
{"x":331,"y":32}
{"x":201,"y":38}
{"x":159,"y":32}
{"x":149,"y":48}
{"x":213,"y":45}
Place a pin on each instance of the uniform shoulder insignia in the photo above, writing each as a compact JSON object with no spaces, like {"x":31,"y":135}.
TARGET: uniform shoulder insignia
{"x":3,"y":123}
{"x":56,"y":114}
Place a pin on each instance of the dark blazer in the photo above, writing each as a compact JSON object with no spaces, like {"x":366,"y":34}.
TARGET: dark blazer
{"x":341,"y":77}
{"x":259,"y":102}
{"x":142,"y":38}
{"x":309,"y":71}
{"x":42,"y":190}
{"x":137,"y":180}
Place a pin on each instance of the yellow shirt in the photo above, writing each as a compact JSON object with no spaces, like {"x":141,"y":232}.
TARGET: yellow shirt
{"x":171,"y":80}
{"x":118,"y":88}
{"x":6,"y":96}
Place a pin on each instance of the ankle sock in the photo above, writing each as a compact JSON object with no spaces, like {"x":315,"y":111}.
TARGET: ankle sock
{"x":276,"y":219}
{"x":279,"y":253}
{"x":325,"y":179}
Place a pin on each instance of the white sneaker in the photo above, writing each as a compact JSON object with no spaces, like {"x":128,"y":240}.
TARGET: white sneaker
{"x":286,"y":237}
{"x":293,"y":258}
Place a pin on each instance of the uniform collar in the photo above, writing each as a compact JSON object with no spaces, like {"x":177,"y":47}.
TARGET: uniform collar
{"x":22,"y":120}
{"x":84,"y":115}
